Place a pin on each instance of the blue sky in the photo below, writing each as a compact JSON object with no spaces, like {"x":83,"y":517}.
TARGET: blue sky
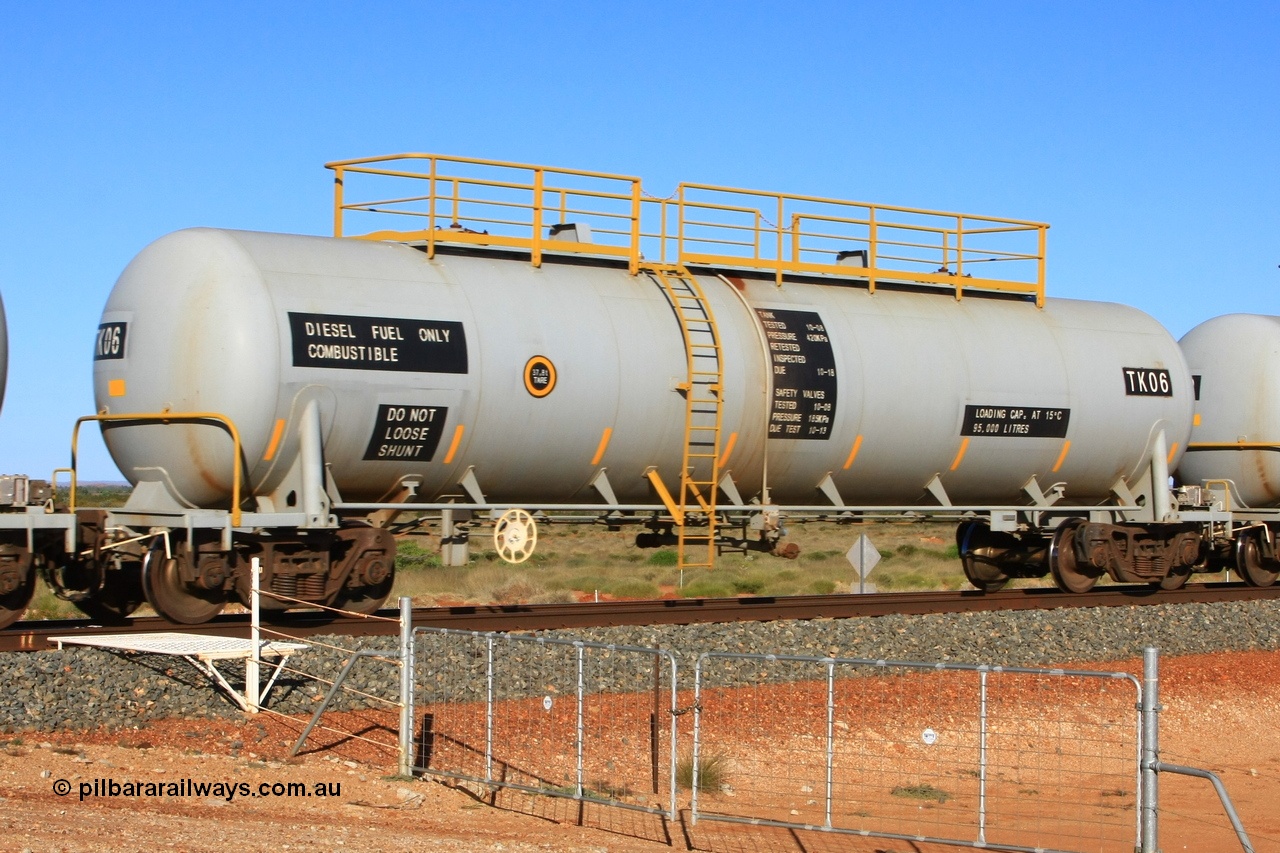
{"x":1146,"y":134}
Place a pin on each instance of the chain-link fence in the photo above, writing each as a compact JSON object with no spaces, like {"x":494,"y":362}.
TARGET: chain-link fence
{"x":589,"y":722}
{"x":986,"y":756}
{"x":1014,"y":758}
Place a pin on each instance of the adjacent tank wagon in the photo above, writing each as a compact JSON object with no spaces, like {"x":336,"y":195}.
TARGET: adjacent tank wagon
{"x":1235,"y":363}
{"x":28,"y":525}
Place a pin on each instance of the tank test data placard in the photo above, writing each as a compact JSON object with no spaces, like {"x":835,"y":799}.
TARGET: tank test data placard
{"x":378,"y":343}
{"x":804,"y":374}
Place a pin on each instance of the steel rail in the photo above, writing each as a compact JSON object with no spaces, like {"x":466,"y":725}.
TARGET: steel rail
{"x":32,"y":635}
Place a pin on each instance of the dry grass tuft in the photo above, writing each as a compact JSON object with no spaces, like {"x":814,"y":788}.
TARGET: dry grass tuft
{"x":713,"y":772}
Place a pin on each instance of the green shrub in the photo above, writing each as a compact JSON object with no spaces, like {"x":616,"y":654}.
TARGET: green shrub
{"x":707,"y":588}
{"x":751,"y":585}
{"x":588,"y":583}
{"x":664,"y":557}
{"x":633,"y":589}
{"x":410,"y":556}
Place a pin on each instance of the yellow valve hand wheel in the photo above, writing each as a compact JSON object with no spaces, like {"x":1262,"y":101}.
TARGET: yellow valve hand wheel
{"x":515,"y":536}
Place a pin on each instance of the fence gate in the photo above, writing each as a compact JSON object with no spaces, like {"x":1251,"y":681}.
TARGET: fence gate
{"x":985,"y":756}
{"x":589,"y":722}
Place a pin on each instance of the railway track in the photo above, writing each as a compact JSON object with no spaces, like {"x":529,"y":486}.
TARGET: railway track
{"x":33,"y":636}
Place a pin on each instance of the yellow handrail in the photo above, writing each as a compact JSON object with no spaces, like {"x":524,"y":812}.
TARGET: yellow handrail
{"x":781,"y":233}
{"x":163,"y":418}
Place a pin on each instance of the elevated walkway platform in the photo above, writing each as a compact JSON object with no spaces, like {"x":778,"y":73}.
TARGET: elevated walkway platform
{"x":200,"y":651}
{"x":430,"y":200}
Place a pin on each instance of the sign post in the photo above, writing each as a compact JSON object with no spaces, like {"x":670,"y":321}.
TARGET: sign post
{"x":863,"y":556}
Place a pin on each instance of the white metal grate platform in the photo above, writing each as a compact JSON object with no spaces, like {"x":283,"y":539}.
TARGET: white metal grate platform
{"x":200,"y":651}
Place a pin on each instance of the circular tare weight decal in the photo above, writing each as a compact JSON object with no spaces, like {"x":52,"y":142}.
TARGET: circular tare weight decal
{"x":539,"y":376}
{"x":515,"y":535}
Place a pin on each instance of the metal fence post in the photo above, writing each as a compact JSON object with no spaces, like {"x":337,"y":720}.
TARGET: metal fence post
{"x":252,"y":677}
{"x":697,"y":740}
{"x":581,"y":652}
{"x":1150,"y":749}
{"x":488,"y":712}
{"x":982,"y":758}
{"x":671,"y":791}
{"x":831,"y":728}
{"x":406,"y":686}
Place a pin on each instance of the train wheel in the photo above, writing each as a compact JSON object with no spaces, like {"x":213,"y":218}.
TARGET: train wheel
{"x":15,"y":564}
{"x":1067,"y":572}
{"x":375,"y":567}
{"x":1176,"y":579}
{"x":984,"y":576}
{"x":119,"y":597}
{"x":1252,"y":568}
{"x":172,"y":597}
{"x":367,"y":599}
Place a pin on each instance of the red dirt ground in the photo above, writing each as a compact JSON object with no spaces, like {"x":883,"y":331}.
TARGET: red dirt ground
{"x":1220,"y":714}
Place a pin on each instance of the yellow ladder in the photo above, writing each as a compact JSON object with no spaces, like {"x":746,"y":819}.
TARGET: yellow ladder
{"x":700,"y":473}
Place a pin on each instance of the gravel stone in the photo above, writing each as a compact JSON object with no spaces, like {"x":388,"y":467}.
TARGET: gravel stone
{"x":82,"y":688}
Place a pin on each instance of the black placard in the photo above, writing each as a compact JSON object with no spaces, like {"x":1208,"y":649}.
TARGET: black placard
{"x":1015,"y":421}
{"x":1147,"y":382}
{"x":110,"y":341}
{"x":804,"y":374}
{"x":406,"y":433}
{"x":378,"y":343}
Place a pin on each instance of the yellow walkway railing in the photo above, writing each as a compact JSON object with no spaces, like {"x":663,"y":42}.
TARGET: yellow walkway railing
{"x":465,"y":201}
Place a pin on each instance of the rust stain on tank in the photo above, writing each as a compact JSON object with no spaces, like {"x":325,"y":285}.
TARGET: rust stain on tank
{"x":1260,"y":463}
{"x":190,"y":365}
{"x":1258,"y":431}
